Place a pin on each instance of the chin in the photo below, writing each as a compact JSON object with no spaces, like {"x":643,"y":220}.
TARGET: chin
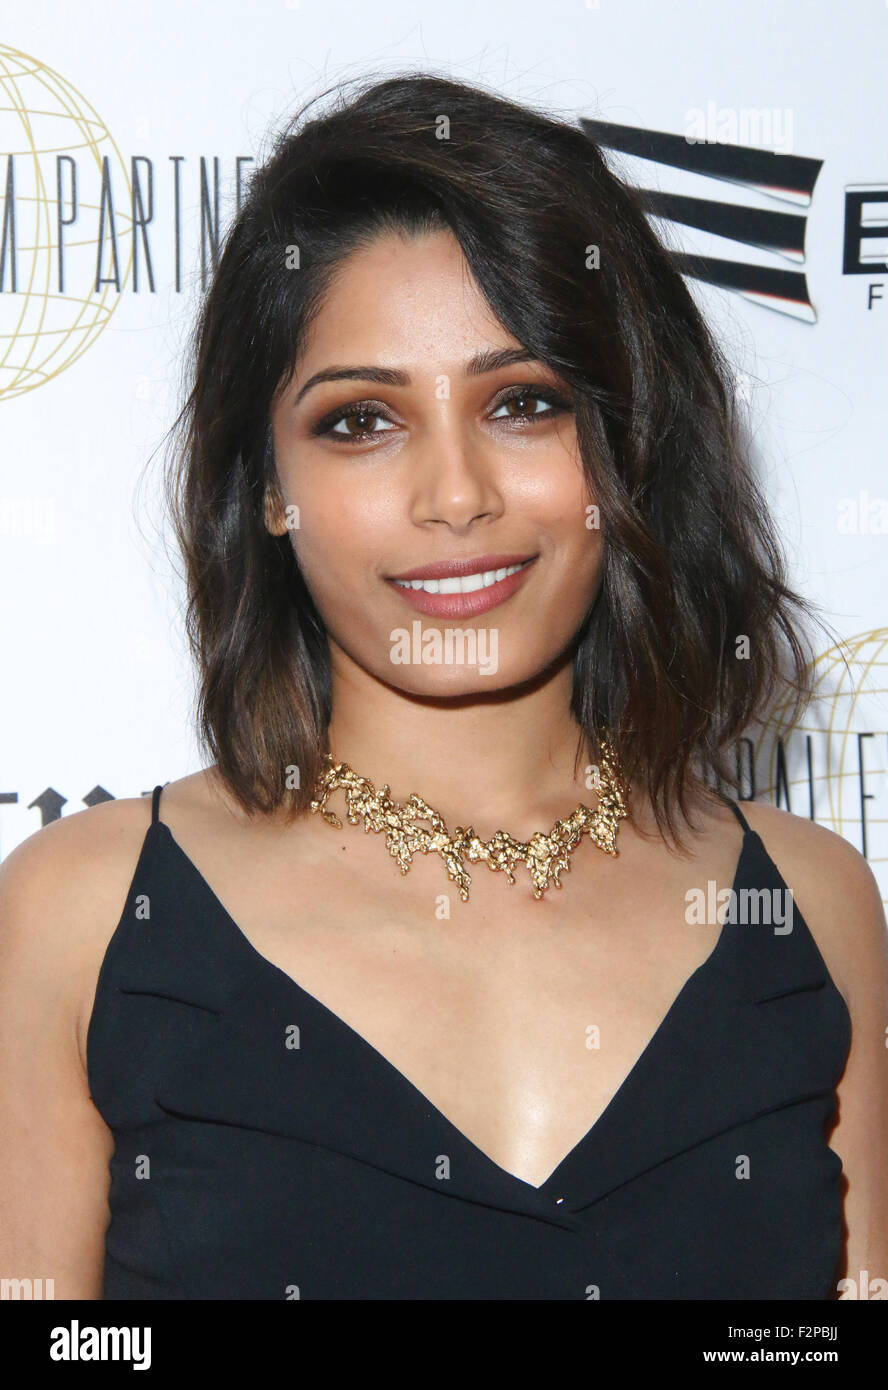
{"x":456,"y":683}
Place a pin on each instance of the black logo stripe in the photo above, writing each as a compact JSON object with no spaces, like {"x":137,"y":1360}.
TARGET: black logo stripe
{"x":739,"y":163}
{"x":789,"y":286}
{"x":783,"y":232}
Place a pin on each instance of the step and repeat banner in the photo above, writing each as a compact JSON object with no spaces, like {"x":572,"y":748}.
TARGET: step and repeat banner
{"x":127,"y":137}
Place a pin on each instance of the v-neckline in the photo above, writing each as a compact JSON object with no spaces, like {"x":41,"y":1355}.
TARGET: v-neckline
{"x":417,"y":1096}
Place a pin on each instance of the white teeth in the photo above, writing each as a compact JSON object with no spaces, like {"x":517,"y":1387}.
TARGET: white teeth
{"x":464,"y":584}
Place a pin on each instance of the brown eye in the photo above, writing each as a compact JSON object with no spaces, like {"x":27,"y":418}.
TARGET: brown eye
{"x":525,"y":399}
{"x":356,"y":422}
{"x":356,"y":416}
{"x":521,"y":403}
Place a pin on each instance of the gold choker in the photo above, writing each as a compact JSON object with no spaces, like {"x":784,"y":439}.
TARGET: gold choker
{"x":545,"y":855}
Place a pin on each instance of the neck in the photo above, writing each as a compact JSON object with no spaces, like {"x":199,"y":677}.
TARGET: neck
{"x":499,"y":760}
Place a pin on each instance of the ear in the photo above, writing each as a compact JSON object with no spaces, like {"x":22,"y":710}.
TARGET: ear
{"x":275,"y":517}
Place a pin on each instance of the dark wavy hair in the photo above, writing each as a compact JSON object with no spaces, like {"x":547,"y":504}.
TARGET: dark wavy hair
{"x":690,"y":558}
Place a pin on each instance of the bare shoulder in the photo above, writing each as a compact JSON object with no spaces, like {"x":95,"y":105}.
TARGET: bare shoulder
{"x":62,"y":893}
{"x":90,"y":855}
{"x":80,"y":851}
{"x":52,"y":868}
{"x":835,"y":890}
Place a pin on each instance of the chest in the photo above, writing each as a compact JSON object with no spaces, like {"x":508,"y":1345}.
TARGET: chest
{"x":517,"y":1019}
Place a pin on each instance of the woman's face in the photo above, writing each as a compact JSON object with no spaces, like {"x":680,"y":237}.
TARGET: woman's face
{"x":415,"y":456}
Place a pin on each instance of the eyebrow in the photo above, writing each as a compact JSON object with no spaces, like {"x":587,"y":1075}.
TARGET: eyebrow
{"x":490,"y":360}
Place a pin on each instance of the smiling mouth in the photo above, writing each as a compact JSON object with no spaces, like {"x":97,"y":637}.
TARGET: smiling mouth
{"x":462,"y":584}
{"x":464,"y":596}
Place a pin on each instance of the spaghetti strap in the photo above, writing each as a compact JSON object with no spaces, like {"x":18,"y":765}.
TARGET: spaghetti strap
{"x":155,"y":803}
{"x":738,"y":813}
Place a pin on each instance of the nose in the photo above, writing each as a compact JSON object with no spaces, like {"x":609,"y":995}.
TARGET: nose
{"x":453,"y":479}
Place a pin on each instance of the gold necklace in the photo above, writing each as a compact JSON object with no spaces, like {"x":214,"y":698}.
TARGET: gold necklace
{"x":545,"y":855}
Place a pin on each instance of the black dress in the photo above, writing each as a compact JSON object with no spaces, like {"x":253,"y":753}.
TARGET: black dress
{"x":264,"y":1150}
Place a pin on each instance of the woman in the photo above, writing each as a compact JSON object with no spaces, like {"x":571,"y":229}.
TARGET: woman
{"x":461,"y":502}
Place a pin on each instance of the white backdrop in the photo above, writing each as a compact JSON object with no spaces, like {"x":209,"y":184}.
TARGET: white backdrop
{"x":97,"y":689}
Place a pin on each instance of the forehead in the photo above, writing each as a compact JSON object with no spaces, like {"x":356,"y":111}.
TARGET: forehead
{"x":401,"y":300}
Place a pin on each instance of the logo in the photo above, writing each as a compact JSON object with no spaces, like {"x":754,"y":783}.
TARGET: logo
{"x":788,"y":178}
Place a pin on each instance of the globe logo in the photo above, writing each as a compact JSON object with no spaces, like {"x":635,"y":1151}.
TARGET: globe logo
{"x":60,"y":225}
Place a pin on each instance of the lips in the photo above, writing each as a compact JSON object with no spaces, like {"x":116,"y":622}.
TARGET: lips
{"x":471,"y":604}
{"x":455,"y":569}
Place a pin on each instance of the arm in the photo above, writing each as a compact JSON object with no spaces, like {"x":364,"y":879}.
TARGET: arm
{"x":59,"y":891}
{"x":861,"y":1132}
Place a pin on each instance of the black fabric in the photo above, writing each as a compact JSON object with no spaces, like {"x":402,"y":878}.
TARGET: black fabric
{"x":247,"y":1168}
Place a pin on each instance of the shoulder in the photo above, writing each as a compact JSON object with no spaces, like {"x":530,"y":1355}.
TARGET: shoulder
{"x":75,"y":851}
{"x":62,"y":893}
{"x":835,"y":891}
{"x":90,"y":850}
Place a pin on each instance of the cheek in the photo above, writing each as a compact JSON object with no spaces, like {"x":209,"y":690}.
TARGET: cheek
{"x":342,"y":537}
{"x":565,"y":514}
{"x":558,"y":501}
